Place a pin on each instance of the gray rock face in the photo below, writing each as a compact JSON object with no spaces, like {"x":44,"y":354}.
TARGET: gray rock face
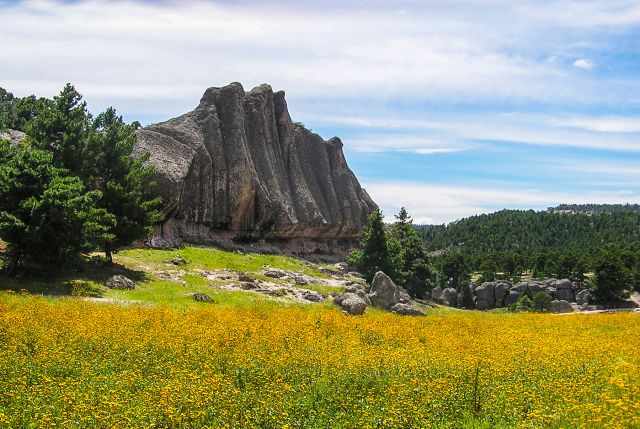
{"x":13,"y":136}
{"x":485,"y":296}
{"x":436,"y":294}
{"x":535,"y":287}
{"x":512,"y":297}
{"x":120,"y":282}
{"x":384,"y":293}
{"x":521,"y":287}
{"x":237,"y":167}
{"x":564,"y":290}
{"x":351,"y":303}
{"x":500,"y":291}
{"x":560,"y":306}
{"x":449,"y":297}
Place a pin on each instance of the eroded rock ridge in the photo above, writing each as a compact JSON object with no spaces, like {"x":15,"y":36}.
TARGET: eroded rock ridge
{"x":237,"y":169}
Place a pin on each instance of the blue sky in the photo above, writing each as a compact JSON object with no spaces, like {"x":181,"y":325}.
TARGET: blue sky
{"x":448,"y":108}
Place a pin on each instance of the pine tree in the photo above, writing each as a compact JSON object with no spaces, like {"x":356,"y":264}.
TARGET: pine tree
{"x":611,"y":277}
{"x":126,"y":182}
{"x":45,"y":214}
{"x":409,"y":259}
{"x":374,"y":256}
{"x":61,"y":127}
{"x":100,"y":152}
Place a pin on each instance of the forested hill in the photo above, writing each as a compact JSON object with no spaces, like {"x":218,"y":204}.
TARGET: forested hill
{"x":529,"y":231}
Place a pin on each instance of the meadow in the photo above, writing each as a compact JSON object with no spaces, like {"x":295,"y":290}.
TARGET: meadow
{"x":248,"y":362}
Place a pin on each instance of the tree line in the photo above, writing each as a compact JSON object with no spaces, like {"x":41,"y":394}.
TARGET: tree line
{"x":596,"y":251}
{"x":73,"y":185}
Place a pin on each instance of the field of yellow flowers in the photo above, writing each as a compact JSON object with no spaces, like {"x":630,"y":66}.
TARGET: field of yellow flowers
{"x":71,"y":363}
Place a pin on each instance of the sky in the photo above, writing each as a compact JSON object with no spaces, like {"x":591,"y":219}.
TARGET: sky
{"x":447,"y":108}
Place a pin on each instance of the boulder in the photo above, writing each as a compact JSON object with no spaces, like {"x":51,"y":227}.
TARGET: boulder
{"x":584,"y":297}
{"x":120,"y":282}
{"x":312,"y":296}
{"x":403,"y":295}
{"x":244,"y":277}
{"x":485,"y":296}
{"x":564,"y":290}
{"x":202,"y":297}
{"x":560,"y":306}
{"x":535,"y":287}
{"x":465,"y":297}
{"x":500,"y":291}
{"x":353,"y":287}
{"x":178,"y":260}
{"x":512,"y":297}
{"x":342,"y":267}
{"x":13,"y":136}
{"x":406,"y":310}
{"x":237,"y":167}
{"x":449,"y":297}
{"x":351,"y":303}
{"x":248,"y":285}
{"x":384,"y":293}
{"x":436,"y":294}
{"x":301,"y":280}
{"x":275,"y":273}
{"x":521,"y":287}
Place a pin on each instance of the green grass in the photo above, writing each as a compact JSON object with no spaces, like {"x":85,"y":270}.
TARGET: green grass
{"x":215,"y":259}
{"x":179,"y":295}
{"x":89,"y":277}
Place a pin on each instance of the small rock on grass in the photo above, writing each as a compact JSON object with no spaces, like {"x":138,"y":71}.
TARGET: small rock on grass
{"x":406,"y":310}
{"x":202,"y":297}
{"x":351,"y":303}
{"x":178,"y":260}
{"x":312,"y":296}
{"x":120,"y":282}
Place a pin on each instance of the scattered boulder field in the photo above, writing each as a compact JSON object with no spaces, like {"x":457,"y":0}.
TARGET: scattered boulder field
{"x":310,"y":283}
{"x":331,"y":284}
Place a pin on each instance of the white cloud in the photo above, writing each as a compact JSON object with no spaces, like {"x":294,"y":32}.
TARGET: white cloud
{"x":602,"y":124}
{"x":464,"y":131}
{"x":119,"y":51}
{"x":583,"y":64}
{"x":405,"y":143}
{"x":436,"y":204}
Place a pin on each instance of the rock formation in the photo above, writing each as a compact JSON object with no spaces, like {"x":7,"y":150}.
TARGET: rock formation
{"x":238,"y":169}
{"x":554,"y":295}
{"x":13,"y":136}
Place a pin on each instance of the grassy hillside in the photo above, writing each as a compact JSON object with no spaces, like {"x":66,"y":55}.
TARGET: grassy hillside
{"x":149,"y":268}
{"x":152,"y":357}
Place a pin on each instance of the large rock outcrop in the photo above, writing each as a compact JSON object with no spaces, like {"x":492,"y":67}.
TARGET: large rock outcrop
{"x":238,"y":169}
